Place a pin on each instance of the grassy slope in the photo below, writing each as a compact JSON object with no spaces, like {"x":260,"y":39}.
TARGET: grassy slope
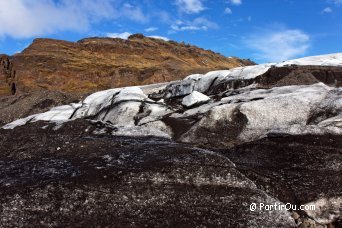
{"x":100,"y":63}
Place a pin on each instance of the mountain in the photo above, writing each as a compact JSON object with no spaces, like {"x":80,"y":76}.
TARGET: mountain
{"x":93,"y":64}
{"x":203,"y":150}
{"x":54,"y":72}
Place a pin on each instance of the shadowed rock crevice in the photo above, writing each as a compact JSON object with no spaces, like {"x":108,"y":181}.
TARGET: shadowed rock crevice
{"x":231,"y":85}
{"x":13,"y":89}
{"x":179,"y":125}
{"x":320,"y":115}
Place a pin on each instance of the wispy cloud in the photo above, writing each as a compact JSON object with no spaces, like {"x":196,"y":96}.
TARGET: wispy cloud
{"x":235,"y":2}
{"x":200,"y":23}
{"x":278,"y":44}
{"x":327,"y":10}
{"x":190,"y":6}
{"x":151,"y":29}
{"x":228,"y":11}
{"x":133,"y":12}
{"x":160,"y":37}
{"x":163,"y":16}
{"x":41,"y":17}
{"x":123,"y":35}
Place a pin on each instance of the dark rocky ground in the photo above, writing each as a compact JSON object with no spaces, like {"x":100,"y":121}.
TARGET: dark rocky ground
{"x":25,"y":104}
{"x":303,"y":167}
{"x":67,"y":176}
{"x":70,"y":177}
{"x":294,"y":169}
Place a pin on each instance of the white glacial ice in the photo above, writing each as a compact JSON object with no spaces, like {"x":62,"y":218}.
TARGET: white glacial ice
{"x":279,"y":109}
{"x":320,"y":60}
{"x":194,"y":98}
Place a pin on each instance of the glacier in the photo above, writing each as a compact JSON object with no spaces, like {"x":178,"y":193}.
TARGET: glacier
{"x":203,"y":101}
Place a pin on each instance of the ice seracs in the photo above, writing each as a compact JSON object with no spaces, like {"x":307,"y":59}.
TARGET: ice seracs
{"x":202,"y":83}
{"x":195,"y":98}
{"x":240,"y":109}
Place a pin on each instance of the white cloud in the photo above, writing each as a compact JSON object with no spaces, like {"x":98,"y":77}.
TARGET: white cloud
{"x":278,"y":45}
{"x":163,"y":16}
{"x":337,"y":1}
{"x":160,"y":37}
{"x":228,"y":11}
{"x":200,"y":23}
{"x":123,"y":35}
{"x":38,"y":18}
{"x":29,"y":18}
{"x":151,"y":29}
{"x":327,"y":10}
{"x":190,"y":6}
{"x":133,"y":13}
{"x":236,"y":2}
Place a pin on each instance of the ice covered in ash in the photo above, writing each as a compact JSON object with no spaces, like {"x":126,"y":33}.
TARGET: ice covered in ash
{"x":57,"y":114}
{"x":245,"y":112}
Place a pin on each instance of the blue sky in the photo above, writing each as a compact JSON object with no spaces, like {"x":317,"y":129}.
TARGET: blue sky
{"x":263,"y":30}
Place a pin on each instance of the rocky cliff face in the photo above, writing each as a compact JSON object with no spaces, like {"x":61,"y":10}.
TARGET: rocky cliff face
{"x":94,"y":64}
{"x":198,"y":151}
{"x":8,"y":79}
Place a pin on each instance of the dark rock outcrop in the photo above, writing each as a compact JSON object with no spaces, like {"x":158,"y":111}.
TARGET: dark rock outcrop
{"x":8,"y":79}
{"x":23,"y":104}
{"x":301,"y":75}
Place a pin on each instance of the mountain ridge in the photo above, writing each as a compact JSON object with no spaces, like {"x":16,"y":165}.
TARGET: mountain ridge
{"x":98,"y":63}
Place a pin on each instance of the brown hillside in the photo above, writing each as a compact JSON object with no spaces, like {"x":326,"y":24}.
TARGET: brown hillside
{"x":100,"y":63}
